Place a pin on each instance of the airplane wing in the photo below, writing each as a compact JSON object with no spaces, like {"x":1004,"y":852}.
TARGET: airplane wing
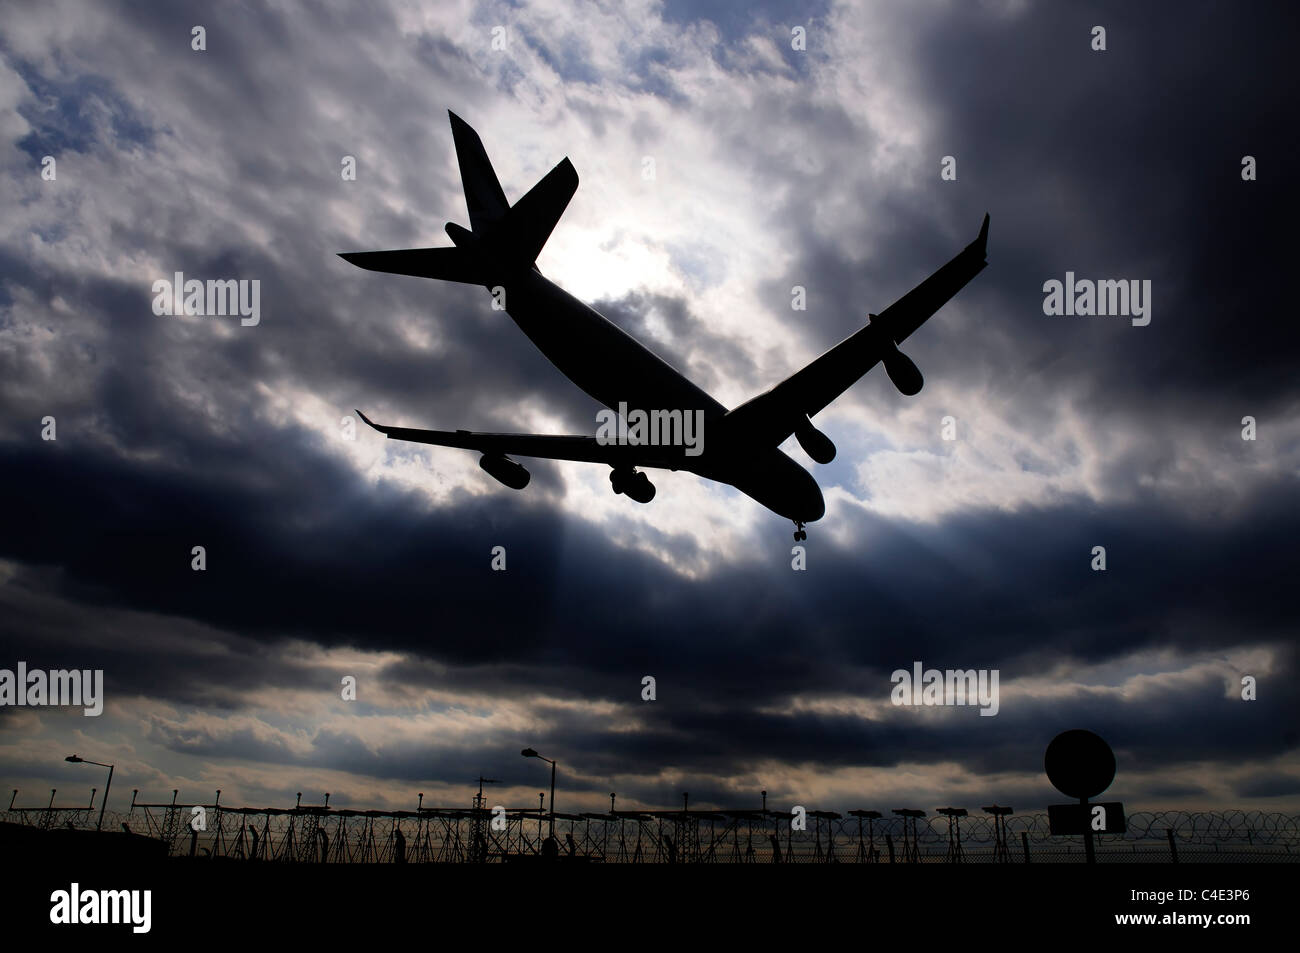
{"x":559,"y":447}
{"x":778,"y":412}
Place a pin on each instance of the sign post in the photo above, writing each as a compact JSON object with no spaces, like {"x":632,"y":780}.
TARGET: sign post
{"x":1081,"y":765}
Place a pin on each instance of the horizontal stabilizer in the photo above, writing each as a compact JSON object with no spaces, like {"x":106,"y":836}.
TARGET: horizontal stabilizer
{"x":520,"y":236}
{"x":447,"y":264}
{"x":503,"y":241}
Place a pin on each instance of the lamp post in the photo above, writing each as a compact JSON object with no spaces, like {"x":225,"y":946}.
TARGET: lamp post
{"x":104,"y":803}
{"x":532,"y":753}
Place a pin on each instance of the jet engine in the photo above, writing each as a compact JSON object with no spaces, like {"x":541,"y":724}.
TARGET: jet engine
{"x":633,"y":483}
{"x":905,"y":375}
{"x":815,"y":443}
{"x":504,"y":470}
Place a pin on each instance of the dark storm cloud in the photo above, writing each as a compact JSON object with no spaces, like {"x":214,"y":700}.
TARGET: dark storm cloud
{"x":1275,"y":784}
{"x":1124,"y":163}
{"x":325,"y":560}
{"x":1175,"y":790}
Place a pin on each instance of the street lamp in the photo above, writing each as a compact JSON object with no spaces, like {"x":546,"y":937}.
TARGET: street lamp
{"x":532,"y":753}
{"x":104,"y":803}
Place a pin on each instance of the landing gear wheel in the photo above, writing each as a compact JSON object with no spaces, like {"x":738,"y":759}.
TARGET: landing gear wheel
{"x":799,"y":534}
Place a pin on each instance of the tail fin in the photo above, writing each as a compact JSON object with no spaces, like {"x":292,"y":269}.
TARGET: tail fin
{"x":484,"y":198}
{"x":502,"y":240}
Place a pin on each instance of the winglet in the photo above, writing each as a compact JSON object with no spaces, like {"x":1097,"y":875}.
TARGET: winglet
{"x":981,"y":243}
{"x":369,"y":422}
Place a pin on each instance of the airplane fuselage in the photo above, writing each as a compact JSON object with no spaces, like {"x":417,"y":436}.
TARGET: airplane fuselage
{"x":614,"y":368}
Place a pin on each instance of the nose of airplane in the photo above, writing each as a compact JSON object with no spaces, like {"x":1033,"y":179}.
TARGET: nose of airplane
{"x":785,"y":488}
{"x":804,"y":500}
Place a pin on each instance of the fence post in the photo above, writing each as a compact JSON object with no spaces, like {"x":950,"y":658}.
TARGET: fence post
{"x":889,"y":842}
{"x":1024,"y":844}
{"x":1173,"y":848}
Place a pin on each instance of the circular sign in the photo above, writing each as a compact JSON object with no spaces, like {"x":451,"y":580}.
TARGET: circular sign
{"x":1079,"y":763}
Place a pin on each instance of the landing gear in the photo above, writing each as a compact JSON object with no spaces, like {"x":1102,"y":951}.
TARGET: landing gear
{"x":799,"y":534}
{"x":634,"y":483}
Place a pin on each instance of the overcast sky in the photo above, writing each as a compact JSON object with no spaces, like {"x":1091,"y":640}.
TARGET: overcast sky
{"x":774,"y":167}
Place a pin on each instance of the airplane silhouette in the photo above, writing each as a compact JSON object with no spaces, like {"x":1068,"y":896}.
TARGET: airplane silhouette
{"x":499,"y":251}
